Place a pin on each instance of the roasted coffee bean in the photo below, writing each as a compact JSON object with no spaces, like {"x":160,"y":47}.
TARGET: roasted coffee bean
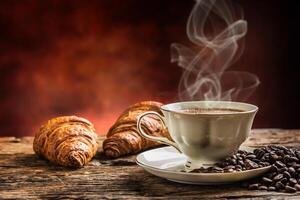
{"x":279,"y":185}
{"x":278,"y":177}
{"x":271,"y":175}
{"x":290,"y":189}
{"x":240,"y":162}
{"x":242,"y":152}
{"x":257,"y":160}
{"x":229,"y":167}
{"x":293,"y":181}
{"x":250,"y":164}
{"x":274,"y":168}
{"x":271,"y":188}
{"x":294,"y":159}
{"x":238,"y":167}
{"x":233,"y":161}
{"x":297,"y":154}
{"x":253,"y":186}
{"x":296,"y":165}
{"x":251,"y":156}
{"x":286,"y":158}
{"x":292,"y":171}
{"x":229,"y":170}
{"x":281,"y":170}
{"x":284,"y":180}
{"x":297,"y":186}
{"x":267,"y":180}
{"x":282,"y":147}
{"x":259,"y":153}
{"x":283,"y":176}
{"x":286,"y":174}
{"x":262,"y":187}
{"x":274,"y":157}
{"x":264,"y":164}
{"x":279,"y":164}
{"x":289,"y":164}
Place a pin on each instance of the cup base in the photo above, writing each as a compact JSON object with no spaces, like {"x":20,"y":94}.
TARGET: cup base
{"x":190,"y":165}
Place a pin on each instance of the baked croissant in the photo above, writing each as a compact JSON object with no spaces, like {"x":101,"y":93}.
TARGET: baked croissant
{"x":68,"y":141}
{"x":123,"y":137}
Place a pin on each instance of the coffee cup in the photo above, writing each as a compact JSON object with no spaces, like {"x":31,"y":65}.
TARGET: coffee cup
{"x":204,"y":131}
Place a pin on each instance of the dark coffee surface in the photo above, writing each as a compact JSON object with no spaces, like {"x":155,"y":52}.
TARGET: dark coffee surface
{"x":210,"y":110}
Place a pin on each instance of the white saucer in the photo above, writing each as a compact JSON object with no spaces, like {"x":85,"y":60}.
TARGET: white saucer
{"x":167,"y":163}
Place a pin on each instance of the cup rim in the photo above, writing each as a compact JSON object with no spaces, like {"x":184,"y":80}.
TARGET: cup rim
{"x":253,"y":108}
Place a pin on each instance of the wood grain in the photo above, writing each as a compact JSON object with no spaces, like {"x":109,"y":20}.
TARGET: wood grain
{"x":25,"y":176}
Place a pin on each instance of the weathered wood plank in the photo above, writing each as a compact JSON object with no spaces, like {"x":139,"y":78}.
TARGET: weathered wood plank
{"x":24,"y":176}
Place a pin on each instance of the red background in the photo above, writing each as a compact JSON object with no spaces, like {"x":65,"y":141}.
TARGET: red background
{"x":94,"y":58}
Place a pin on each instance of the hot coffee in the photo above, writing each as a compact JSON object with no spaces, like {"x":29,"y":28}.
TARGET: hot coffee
{"x":204,"y":138}
{"x":210,"y":110}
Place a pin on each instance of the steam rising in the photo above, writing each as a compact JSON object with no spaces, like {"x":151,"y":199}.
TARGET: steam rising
{"x":215,"y":29}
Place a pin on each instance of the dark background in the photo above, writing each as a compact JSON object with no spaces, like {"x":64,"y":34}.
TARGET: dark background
{"x":94,"y":58}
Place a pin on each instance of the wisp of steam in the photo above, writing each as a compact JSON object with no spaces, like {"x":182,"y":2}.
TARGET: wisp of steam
{"x":216,"y":30}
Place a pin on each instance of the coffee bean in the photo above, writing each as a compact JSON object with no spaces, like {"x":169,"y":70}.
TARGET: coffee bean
{"x":291,"y":170}
{"x":296,"y":165}
{"x":229,"y":170}
{"x":251,"y":156}
{"x":286,"y":158}
{"x":257,"y":160}
{"x":253,"y":186}
{"x":240,"y":162}
{"x":271,"y":188}
{"x":291,"y":163}
{"x":290,"y":189}
{"x":267,"y":180}
{"x":274,"y":168}
{"x":279,"y":164}
{"x":284,"y":173}
{"x":233,"y":161}
{"x":287,"y":174}
{"x":271,"y":175}
{"x":297,"y":154}
{"x":297,"y":186}
{"x":229,"y":167}
{"x":278,"y":177}
{"x":281,"y":170}
{"x":282,"y":147}
{"x":218,"y":169}
{"x":250,"y":164}
{"x":293,"y":181}
{"x":274,"y":157}
{"x":284,"y":180}
{"x":238,"y":167}
{"x":262,"y":187}
{"x":242,"y":152}
{"x":279,"y":185}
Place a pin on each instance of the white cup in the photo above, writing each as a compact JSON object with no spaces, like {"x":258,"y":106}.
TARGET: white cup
{"x":203,"y":137}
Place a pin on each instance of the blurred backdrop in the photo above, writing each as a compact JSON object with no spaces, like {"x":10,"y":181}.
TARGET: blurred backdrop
{"x":94,"y":58}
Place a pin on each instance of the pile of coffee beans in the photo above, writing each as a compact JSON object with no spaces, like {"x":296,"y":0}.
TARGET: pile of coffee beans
{"x":240,"y":161}
{"x":284,"y":175}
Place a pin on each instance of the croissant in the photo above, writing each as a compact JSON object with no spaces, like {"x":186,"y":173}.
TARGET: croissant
{"x":123,"y":137}
{"x":68,"y":141}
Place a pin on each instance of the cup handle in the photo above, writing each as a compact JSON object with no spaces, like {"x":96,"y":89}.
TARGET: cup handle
{"x":163,"y":140}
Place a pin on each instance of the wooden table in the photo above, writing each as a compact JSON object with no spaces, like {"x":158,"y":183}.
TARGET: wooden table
{"x":24,"y":176}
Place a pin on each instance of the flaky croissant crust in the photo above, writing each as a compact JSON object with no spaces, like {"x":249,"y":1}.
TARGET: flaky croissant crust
{"x":68,"y":141}
{"x":123,"y":137}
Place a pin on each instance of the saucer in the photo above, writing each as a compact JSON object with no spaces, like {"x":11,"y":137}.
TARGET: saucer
{"x":167,"y":163}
